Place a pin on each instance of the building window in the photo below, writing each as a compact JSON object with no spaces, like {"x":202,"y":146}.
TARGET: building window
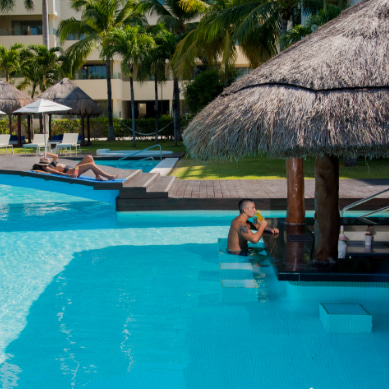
{"x":91,"y":72}
{"x":33,"y":27}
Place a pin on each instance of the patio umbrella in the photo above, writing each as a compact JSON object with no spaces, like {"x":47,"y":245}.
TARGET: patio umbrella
{"x":43,"y":106}
{"x":68,"y":93}
{"x":326,"y":96}
{"x":2,"y":113}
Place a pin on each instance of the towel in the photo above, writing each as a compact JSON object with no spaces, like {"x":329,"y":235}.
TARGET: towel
{"x":82,"y":177}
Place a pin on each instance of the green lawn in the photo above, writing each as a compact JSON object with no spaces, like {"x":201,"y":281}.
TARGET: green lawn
{"x":270,"y":168}
{"x":250,"y":168}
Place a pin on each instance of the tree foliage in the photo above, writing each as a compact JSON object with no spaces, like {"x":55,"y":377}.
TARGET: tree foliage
{"x":205,"y":87}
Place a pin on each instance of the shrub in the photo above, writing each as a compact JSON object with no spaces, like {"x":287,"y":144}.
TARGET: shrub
{"x":99,"y":126}
{"x":4,"y":126}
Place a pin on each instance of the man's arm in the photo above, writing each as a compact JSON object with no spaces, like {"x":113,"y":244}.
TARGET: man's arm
{"x":252,"y":237}
{"x":253,"y":226}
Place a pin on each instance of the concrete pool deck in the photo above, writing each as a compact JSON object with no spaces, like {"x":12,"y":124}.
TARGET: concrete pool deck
{"x":152,"y":191}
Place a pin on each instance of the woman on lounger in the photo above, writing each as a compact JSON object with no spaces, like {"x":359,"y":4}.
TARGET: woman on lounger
{"x":87,"y":163}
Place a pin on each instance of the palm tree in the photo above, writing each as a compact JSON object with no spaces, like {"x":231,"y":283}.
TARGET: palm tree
{"x":98,"y":19}
{"x":178,"y":21}
{"x":8,"y":5}
{"x":154,"y":64}
{"x":39,"y":67}
{"x":313,"y":22}
{"x":132,"y":43}
{"x":10,"y":60}
{"x":215,"y":40}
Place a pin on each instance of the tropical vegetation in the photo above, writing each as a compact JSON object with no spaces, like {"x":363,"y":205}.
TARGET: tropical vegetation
{"x":188,"y":32}
{"x":99,"y":18}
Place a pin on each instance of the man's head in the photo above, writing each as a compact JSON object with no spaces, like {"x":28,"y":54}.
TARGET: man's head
{"x":246,"y":206}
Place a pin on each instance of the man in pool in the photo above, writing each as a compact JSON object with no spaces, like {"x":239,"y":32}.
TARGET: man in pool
{"x":240,"y":231}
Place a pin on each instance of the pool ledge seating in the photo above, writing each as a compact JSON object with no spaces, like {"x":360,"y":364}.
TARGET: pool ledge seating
{"x":345,"y":318}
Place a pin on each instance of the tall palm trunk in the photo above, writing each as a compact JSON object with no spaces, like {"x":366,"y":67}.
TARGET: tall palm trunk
{"x":111,"y":131}
{"x":133,"y":108}
{"x":176,"y":110}
{"x":156,"y":103}
{"x":45,"y":24}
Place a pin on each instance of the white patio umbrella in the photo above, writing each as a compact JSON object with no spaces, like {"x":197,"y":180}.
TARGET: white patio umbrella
{"x":42,"y":106}
{"x":2,"y":113}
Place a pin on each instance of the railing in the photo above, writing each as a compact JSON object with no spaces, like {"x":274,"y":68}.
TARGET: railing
{"x":347,"y":207}
{"x":141,"y":151}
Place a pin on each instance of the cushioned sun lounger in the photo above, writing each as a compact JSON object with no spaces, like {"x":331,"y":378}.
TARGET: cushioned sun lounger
{"x":4,"y":142}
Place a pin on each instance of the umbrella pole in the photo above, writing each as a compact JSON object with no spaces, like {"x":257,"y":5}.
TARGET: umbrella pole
{"x":327,"y":219}
{"x":44,"y":131}
{"x":295,"y":191}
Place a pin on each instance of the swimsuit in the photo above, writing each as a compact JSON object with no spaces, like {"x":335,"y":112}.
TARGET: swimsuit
{"x":242,"y":253}
{"x":65,"y":169}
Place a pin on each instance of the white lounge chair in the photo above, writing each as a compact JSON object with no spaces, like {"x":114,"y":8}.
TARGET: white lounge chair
{"x":4,"y":142}
{"x":69,"y":140}
{"x":37,"y":143}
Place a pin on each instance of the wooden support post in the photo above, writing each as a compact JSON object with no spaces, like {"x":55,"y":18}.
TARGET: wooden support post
{"x":29,"y":121}
{"x":41,"y":123}
{"x":327,"y":219}
{"x":82,"y":130}
{"x":88,"y":127}
{"x":294,"y":250}
{"x":295,"y":192}
{"x":19,"y":130}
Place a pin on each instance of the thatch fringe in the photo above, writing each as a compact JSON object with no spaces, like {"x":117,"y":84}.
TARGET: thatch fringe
{"x":67,"y":93}
{"x":11,"y":98}
{"x":326,"y":94}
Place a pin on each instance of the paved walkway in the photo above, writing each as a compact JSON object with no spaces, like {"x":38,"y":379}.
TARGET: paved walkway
{"x":348,"y":188}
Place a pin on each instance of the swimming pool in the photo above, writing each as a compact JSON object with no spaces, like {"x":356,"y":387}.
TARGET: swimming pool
{"x":145,"y":165}
{"x":94,"y":299}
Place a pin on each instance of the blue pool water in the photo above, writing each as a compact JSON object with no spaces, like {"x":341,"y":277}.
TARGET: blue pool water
{"x":94,"y":299}
{"x":146,"y":165}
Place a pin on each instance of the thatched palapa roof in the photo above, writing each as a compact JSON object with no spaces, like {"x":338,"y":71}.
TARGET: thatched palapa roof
{"x":329,"y":93}
{"x":12,"y":98}
{"x":68,"y":93}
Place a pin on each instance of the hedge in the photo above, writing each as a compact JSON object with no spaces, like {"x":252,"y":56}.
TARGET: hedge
{"x":99,"y":127}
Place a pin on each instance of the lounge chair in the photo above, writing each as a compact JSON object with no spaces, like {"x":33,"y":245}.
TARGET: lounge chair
{"x":15,"y":140}
{"x":37,"y":143}
{"x":4,"y":142}
{"x":69,"y":140}
{"x":55,"y":139}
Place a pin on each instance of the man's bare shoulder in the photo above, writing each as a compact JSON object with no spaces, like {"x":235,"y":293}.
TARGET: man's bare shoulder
{"x":239,"y":225}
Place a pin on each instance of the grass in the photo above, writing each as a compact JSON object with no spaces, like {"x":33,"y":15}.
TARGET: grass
{"x":250,"y":168}
{"x":253,"y":168}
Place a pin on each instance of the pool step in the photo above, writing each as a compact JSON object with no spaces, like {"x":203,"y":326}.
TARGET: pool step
{"x":162,"y":186}
{"x":138,"y":185}
{"x":145,"y":186}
